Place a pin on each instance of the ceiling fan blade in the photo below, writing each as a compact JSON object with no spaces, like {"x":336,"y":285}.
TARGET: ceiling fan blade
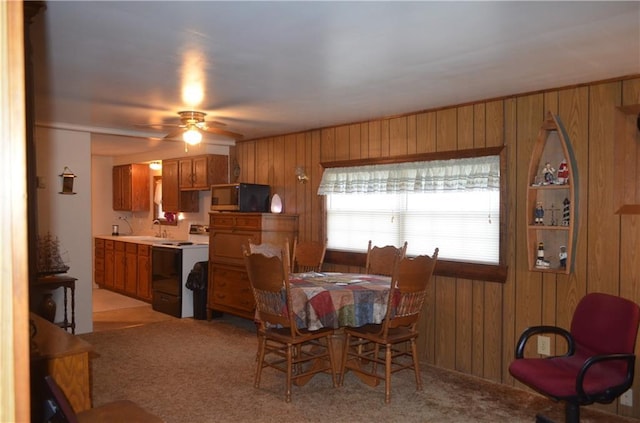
{"x":175,"y":133}
{"x":224,"y":132}
{"x":215,"y":123}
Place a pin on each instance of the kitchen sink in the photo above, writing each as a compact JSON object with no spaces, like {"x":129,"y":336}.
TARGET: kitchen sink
{"x":146,"y":238}
{"x":173,"y":242}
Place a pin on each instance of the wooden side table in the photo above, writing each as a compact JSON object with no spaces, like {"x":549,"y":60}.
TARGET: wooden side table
{"x":66,"y":282}
{"x":63,"y":356}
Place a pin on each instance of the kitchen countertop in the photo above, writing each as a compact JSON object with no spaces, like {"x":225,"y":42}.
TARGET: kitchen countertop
{"x":156,"y":241}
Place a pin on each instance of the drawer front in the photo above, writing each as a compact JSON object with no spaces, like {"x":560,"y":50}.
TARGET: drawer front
{"x":221,"y":221}
{"x":236,"y":221}
{"x":118,"y":246}
{"x":99,"y":243}
{"x":109,"y":244}
{"x":248,"y":221}
{"x":227,"y":246}
{"x":131,"y":248}
{"x":231,"y":288}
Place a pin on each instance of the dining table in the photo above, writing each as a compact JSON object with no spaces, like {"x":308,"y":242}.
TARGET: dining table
{"x":337,"y":300}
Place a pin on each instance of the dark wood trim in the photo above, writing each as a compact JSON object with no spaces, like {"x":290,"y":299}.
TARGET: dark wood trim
{"x":423,"y":157}
{"x":30,"y":11}
{"x":449,"y":268}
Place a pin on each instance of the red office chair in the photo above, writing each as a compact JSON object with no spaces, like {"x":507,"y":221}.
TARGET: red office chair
{"x":599,"y":363}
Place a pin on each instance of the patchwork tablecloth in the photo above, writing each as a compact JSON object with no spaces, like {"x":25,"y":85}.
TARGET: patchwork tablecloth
{"x":322,"y":300}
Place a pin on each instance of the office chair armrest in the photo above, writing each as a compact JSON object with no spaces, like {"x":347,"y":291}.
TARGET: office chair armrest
{"x":612,"y":392}
{"x":535,"y":330}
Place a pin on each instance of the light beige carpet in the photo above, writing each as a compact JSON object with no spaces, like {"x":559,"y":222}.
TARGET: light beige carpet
{"x":195,"y":371}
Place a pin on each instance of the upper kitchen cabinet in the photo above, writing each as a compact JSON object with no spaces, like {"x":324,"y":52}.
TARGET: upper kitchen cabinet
{"x":200,"y":172}
{"x":131,"y":187}
{"x":174,"y":200}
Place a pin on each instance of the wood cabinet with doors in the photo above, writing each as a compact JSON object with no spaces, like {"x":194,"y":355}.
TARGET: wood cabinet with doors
{"x":109,"y":261}
{"x":131,"y":269}
{"x":131,"y":187}
{"x":229,"y":289}
{"x":200,"y":172}
{"x":144,"y":272}
{"x":98,"y":262}
{"x":119,"y":266}
{"x":173,"y":199}
{"x":125,"y":266}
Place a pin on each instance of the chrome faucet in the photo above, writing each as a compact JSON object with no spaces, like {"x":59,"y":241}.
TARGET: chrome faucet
{"x":157,"y":222}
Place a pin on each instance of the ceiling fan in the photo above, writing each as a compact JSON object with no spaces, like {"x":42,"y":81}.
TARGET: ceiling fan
{"x":192,"y":125}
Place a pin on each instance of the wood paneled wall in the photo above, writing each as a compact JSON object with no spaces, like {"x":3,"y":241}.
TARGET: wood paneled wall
{"x":472,"y":326}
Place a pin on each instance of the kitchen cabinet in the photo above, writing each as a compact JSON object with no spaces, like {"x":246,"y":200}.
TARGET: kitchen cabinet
{"x":173,"y":199}
{"x":131,"y":269}
{"x":200,"y":172}
{"x":229,"y":289}
{"x":119,"y":266}
{"x":131,"y":187}
{"x":109,"y":260}
{"x":126,"y":267}
{"x":98,"y":262}
{"x":144,"y":272}
{"x":552,"y":200}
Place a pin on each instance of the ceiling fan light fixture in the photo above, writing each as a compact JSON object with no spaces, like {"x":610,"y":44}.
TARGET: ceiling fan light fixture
{"x":192,"y":136}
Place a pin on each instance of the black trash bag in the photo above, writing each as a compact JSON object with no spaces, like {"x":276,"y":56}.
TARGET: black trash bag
{"x":197,"y":279}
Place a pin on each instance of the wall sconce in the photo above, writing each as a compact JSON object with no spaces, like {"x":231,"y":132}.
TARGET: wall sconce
{"x":67,"y":181}
{"x":301,"y":175}
{"x":236,"y":170}
{"x":155,"y":165}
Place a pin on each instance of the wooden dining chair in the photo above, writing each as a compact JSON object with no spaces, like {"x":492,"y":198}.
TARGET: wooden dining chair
{"x":308,"y":256}
{"x":386,"y":344}
{"x":382,"y":260}
{"x":271,"y":250}
{"x":299,"y":353}
{"x":57,"y":408}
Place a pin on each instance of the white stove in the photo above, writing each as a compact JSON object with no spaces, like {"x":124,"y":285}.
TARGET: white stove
{"x":199,"y":234}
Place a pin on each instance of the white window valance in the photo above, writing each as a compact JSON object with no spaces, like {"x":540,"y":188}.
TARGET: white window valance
{"x":468,"y":174}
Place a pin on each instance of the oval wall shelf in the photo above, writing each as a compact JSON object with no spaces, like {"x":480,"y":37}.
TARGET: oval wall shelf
{"x":552,"y":200}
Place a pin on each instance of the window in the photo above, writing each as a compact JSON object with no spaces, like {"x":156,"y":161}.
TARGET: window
{"x":450,"y":204}
{"x":158,"y":213}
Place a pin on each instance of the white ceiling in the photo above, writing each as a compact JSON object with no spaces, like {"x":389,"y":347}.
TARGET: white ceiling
{"x":270,"y":68}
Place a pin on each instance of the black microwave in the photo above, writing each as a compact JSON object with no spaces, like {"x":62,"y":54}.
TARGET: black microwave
{"x":240,"y":197}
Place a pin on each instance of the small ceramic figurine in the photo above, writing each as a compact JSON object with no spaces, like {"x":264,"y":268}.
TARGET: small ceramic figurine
{"x":548,"y":172}
{"x":563,"y":173}
{"x":539,"y":214}
{"x":563,"y":256}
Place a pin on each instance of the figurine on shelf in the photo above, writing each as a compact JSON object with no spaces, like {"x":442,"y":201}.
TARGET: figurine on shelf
{"x":539,"y":214}
{"x":563,"y":256}
{"x":540,"y":261}
{"x":548,"y":172}
{"x":563,"y":173}
{"x":566,"y":212}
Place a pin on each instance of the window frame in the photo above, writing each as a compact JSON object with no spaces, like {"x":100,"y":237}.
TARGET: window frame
{"x":448,"y":268}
